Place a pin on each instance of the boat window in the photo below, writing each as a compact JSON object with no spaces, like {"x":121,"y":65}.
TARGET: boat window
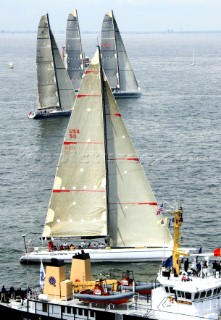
{"x":182,"y":294}
{"x":219,"y":290}
{"x":178,"y":294}
{"x":197,"y":294}
{"x":91,"y":314}
{"x":188,"y":295}
{"x":203,"y":294}
{"x":79,"y":312}
{"x":166,"y":289}
{"x":209,"y":293}
{"x":44,"y":307}
{"x":62,"y":309}
{"x":171,"y":290}
{"x":69,"y":310}
{"x":85,"y":313}
{"x":215,"y":291}
{"x":74,"y":310}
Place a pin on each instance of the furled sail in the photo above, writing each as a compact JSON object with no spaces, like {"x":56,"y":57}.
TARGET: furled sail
{"x":74,"y":50}
{"x":100,"y":188}
{"x":115,"y":60}
{"x":78,"y":201}
{"x":55,"y":90}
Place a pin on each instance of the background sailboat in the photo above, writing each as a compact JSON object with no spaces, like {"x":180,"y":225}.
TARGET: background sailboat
{"x":55,"y":92}
{"x":115,"y":60}
{"x":74,"y":56}
{"x":193,"y":59}
{"x":100,"y":189}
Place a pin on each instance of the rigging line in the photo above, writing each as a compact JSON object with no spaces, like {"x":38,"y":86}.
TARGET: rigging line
{"x":105,"y":138}
{"x":118,"y":71}
{"x":52,"y":51}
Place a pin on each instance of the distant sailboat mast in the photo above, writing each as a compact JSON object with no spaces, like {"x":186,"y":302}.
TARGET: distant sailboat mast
{"x":116,"y":46}
{"x":105,"y":144}
{"x":53,"y":48}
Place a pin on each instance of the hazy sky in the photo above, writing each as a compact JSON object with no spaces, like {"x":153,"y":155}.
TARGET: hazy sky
{"x":131,"y":15}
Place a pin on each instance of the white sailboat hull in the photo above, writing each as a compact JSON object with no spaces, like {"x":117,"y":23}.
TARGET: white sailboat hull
{"x":52,"y":114}
{"x":126,"y":95}
{"x":100,"y":255}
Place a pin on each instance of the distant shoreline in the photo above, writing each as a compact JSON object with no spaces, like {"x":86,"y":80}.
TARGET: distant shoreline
{"x":128,"y":32}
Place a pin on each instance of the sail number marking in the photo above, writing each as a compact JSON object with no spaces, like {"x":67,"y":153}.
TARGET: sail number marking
{"x":73,"y":133}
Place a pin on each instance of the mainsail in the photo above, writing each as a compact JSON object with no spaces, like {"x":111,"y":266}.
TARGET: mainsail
{"x":74,"y":50}
{"x":55,"y":90}
{"x":100,"y":188}
{"x":115,"y":60}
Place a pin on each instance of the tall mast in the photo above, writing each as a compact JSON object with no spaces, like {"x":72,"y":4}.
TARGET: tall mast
{"x":52,"y":51}
{"x":113,"y":20}
{"x":105,"y":140}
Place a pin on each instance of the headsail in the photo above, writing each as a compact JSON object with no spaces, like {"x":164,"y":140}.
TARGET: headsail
{"x":132,"y":204}
{"x":74,"y":50}
{"x":115,"y":60}
{"x":97,"y":193}
{"x":55,"y":90}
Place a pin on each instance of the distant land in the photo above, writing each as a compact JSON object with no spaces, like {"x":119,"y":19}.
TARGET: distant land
{"x":128,"y":32}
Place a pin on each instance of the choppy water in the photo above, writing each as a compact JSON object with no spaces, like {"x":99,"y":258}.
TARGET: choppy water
{"x":175,"y":127}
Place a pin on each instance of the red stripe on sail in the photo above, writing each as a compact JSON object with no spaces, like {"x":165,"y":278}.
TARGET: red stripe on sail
{"x":113,"y":114}
{"x":89,"y":142}
{"x":139,"y":203}
{"x":91,"y":71}
{"x":130,"y":159}
{"x":83,"y":95}
{"x":68,"y":190}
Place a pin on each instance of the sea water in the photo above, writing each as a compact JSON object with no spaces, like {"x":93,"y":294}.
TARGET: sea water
{"x":175,"y":127}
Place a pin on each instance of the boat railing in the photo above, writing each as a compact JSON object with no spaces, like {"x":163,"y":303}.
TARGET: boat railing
{"x":139,"y":303}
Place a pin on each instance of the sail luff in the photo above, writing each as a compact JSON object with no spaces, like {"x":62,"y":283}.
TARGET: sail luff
{"x":108,"y":51}
{"x":53,"y":48}
{"x":105,"y":140}
{"x":116,"y":46}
